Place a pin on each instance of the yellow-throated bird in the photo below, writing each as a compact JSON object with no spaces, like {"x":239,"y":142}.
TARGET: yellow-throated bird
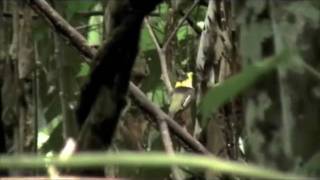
{"x":181,"y":97}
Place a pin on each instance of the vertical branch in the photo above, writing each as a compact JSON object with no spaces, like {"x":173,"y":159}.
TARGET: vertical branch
{"x":18,"y":90}
{"x":26,"y":65}
{"x":13,"y":51}
{"x":3,"y":148}
{"x":36,"y":90}
{"x":70,"y":127}
{"x":284,"y":87}
{"x":168,"y":145}
{"x":163,"y":126}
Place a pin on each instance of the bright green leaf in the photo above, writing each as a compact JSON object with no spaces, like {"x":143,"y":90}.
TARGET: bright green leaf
{"x":84,"y":70}
{"x":163,"y":8}
{"x":159,"y":96}
{"x":146,"y":42}
{"x":182,"y":33}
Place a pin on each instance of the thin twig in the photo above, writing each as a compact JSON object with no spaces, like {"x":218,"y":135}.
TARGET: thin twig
{"x":10,"y":15}
{"x":192,"y":24}
{"x":87,"y":26}
{"x":175,"y":30}
{"x":162,"y":56}
{"x":36,"y":94}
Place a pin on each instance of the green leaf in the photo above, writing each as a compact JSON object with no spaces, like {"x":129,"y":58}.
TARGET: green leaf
{"x":222,"y":93}
{"x":163,"y":8}
{"x":182,"y":34}
{"x":146,"y":42}
{"x":159,"y":96}
{"x":84,"y":70}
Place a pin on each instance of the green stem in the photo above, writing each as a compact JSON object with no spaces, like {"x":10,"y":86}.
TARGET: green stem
{"x":91,"y":160}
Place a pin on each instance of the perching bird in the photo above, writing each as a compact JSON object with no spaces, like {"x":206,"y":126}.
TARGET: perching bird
{"x":181,"y":98}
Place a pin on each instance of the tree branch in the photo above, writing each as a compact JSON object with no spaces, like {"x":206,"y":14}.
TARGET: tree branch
{"x":79,"y":42}
{"x":162,"y":50}
{"x":63,"y":27}
{"x":157,"y":113}
{"x":162,"y":57}
{"x":168,"y":146}
{"x":193,"y":25}
{"x":182,"y":20}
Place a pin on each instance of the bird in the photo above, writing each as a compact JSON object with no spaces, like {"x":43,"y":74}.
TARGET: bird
{"x":181,"y":98}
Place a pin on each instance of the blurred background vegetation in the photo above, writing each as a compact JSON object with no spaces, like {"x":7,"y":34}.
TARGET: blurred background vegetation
{"x":240,"y":76}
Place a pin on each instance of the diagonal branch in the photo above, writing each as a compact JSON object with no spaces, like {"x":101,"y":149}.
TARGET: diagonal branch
{"x":63,"y":27}
{"x":182,"y":20}
{"x":162,"y":56}
{"x":79,"y":42}
{"x":158,"y":114}
{"x":192,"y":24}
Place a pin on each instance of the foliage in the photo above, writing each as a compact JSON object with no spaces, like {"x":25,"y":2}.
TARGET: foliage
{"x":273,"y":51}
{"x":224,"y":92}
